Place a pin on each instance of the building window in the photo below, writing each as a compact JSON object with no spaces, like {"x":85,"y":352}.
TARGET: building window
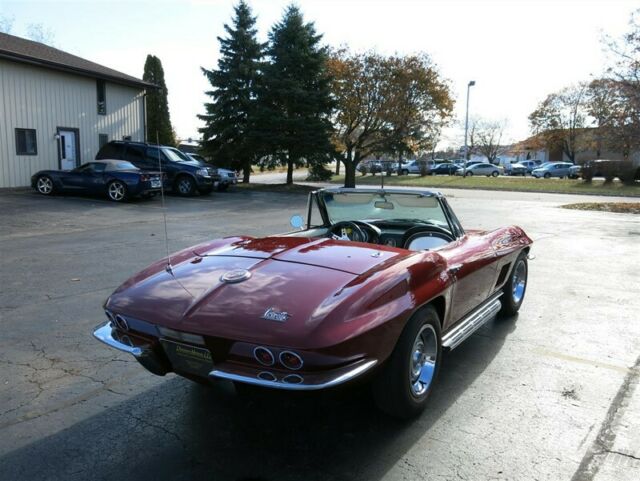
{"x":26,"y":142}
{"x":102,"y":140}
{"x":102,"y":97}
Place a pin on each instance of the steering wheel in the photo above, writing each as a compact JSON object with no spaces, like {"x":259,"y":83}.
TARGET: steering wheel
{"x":443,"y":233}
{"x":340,"y":231}
{"x":373,"y":232}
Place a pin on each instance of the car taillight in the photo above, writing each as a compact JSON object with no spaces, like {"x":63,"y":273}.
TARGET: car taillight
{"x":290,"y":360}
{"x":264,"y":356}
{"x":145,"y":178}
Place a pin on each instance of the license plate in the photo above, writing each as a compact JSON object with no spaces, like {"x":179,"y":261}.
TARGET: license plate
{"x":155,"y":183}
{"x":188,"y":359}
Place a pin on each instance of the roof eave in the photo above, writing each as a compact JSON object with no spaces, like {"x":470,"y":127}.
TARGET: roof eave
{"x":65,"y":68}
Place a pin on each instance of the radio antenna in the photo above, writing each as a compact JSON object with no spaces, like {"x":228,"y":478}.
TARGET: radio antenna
{"x":382,"y":174}
{"x":164,"y":209}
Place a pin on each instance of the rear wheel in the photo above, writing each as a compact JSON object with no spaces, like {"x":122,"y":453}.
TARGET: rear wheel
{"x":44,"y":185}
{"x":516,"y":287}
{"x":405,"y":382}
{"x":117,"y":191}
{"x":494,"y":174}
{"x":185,"y":186}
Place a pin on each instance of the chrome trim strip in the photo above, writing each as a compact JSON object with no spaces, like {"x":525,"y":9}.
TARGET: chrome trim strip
{"x":473,"y":321}
{"x":302,"y":386}
{"x":104,"y":333}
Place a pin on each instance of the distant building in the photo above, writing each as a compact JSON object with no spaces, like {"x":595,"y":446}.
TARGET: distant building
{"x":57,"y":110}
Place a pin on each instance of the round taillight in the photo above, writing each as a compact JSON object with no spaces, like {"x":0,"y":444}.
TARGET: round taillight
{"x":264,"y":356}
{"x":267,"y":376}
{"x":290,"y":360}
{"x":292,"y":379}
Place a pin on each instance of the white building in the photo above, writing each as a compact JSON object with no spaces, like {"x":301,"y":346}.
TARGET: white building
{"x":56,"y":109}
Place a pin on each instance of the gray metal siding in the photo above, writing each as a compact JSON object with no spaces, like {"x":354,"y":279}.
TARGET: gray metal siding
{"x":41,"y":99}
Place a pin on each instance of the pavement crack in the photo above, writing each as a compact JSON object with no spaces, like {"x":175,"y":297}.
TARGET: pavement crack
{"x":621,"y":453}
{"x":593,"y":459}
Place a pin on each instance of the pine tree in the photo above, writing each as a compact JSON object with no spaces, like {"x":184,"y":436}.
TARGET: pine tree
{"x":158,"y":118}
{"x":295,"y":94}
{"x":231,"y":116}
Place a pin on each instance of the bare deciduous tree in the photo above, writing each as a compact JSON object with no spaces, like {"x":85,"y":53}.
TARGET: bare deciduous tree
{"x":488,"y":135}
{"x":561,"y":117}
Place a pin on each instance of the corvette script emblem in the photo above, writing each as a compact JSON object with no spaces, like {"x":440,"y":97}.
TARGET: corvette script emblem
{"x":272,"y":315}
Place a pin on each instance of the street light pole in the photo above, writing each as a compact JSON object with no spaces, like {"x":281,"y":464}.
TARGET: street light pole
{"x":466,"y":127}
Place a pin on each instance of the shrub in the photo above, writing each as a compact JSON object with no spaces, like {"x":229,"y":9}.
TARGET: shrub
{"x":319,"y":173}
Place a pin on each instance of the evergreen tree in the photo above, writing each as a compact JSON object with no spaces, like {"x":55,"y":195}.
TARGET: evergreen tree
{"x":230,"y":118}
{"x":295,"y":94}
{"x":158,"y":119}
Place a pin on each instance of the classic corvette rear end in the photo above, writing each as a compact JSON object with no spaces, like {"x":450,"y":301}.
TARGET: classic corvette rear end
{"x":376,"y":298}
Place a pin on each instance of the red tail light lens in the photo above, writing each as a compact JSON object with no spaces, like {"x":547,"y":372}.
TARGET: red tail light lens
{"x":264,"y":356}
{"x":290,"y":360}
{"x":144,"y":178}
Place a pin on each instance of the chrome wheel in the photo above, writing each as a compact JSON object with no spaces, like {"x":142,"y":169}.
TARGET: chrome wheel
{"x":519,"y":282}
{"x":422,"y":365}
{"x":117,"y":191}
{"x":44,"y":185}
{"x":185,"y":186}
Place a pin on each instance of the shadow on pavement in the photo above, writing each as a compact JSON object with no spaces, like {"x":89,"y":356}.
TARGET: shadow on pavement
{"x":182,"y":431}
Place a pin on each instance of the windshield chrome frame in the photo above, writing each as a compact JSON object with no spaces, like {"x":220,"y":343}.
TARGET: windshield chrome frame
{"x":454,"y":224}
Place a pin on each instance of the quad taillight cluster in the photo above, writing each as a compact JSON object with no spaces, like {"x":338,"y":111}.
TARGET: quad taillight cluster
{"x":288,"y":359}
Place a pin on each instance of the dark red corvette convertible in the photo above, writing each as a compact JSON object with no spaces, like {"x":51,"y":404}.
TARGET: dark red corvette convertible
{"x":375,"y":287}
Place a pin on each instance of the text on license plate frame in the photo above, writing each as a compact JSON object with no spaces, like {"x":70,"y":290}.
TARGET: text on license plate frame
{"x":187,"y":358}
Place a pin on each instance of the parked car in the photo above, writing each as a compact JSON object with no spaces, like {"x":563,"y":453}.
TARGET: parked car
{"x":552,"y":169}
{"x":118,"y":180}
{"x":377,"y":285}
{"x":227,"y":177}
{"x":185,"y":176}
{"x":369,"y":166}
{"x":531,"y":164}
{"x":624,"y":170}
{"x":575,"y":171}
{"x":444,"y":169}
{"x":481,"y":168}
{"x":518,"y":169}
{"x":418,"y":166}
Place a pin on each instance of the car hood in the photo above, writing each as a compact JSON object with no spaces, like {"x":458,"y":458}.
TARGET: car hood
{"x":309,"y":279}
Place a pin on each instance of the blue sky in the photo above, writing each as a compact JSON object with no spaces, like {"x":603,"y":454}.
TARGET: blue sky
{"x":517,"y":51}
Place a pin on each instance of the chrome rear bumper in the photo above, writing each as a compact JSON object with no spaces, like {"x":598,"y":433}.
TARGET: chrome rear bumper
{"x":104,"y":333}
{"x":290,"y":380}
{"x":293,"y":381}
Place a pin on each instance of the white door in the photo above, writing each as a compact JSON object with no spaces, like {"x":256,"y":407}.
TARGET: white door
{"x":68,"y":154}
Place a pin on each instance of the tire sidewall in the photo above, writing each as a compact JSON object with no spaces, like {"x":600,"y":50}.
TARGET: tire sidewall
{"x":392,"y":386}
{"x":509,"y":307}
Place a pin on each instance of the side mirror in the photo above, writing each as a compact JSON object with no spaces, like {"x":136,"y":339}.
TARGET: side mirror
{"x":297,"y":221}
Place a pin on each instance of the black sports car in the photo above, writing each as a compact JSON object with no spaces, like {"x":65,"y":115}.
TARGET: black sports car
{"x":117,"y":179}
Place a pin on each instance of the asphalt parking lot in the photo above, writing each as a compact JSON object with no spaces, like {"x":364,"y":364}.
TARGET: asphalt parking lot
{"x":550,"y":395}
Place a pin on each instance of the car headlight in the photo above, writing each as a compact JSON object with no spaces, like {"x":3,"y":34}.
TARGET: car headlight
{"x":203,"y":172}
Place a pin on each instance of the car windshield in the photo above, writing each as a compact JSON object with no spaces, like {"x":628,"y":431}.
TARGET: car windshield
{"x":389,"y":207}
{"x":123,"y":165}
{"x":175,"y":155}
